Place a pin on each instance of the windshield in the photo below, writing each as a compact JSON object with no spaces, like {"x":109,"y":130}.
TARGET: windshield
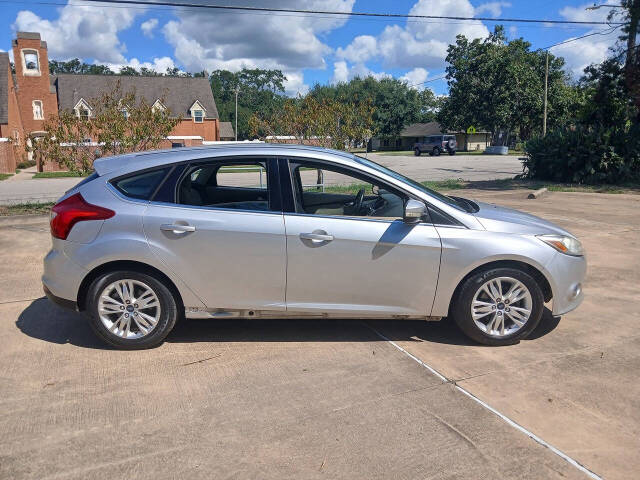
{"x":413,"y":183}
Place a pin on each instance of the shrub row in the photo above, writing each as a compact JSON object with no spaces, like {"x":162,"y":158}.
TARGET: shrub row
{"x":585,"y":155}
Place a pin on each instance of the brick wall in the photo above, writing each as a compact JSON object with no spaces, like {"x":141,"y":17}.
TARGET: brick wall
{"x":33,"y":85}
{"x":208,"y":129}
{"x":7,"y":158}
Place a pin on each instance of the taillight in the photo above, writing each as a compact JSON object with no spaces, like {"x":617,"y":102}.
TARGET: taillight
{"x":67,"y":213}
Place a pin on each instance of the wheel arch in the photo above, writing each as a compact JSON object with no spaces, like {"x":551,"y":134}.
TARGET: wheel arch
{"x":537,"y":275}
{"x":130,"y":265}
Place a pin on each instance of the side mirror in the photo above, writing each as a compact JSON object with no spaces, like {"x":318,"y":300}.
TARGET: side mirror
{"x":414,"y":210}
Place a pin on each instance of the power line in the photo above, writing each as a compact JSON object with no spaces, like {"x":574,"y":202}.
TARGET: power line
{"x":602,"y":32}
{"x":427,"y":81}
{"x":350,"y":14}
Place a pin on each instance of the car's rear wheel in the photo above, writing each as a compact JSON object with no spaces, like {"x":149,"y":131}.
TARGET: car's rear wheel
{"x":498,"y":306}
{"x":416,"y":152}
{"x":436,"y":152}
{"x":452,"y":152}
{"x":131,"y":310}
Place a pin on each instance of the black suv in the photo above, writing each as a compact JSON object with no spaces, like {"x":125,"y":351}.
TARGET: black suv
{"x":436,"y":144}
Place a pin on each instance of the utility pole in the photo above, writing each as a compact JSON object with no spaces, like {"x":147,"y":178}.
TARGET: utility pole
{"x":546,"y":88}
{"x":236,"y":90}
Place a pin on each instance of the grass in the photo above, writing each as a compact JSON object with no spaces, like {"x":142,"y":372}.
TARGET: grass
{"x":499,"y":185}
{"x":393,"y":153}
{"x":25,"y":209}
{"x":57,"y":174}
{"x":4,"y":176}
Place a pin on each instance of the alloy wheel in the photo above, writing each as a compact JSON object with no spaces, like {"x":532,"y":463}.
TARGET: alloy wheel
{"x":501,"y":306}
{"x":129,"y":308}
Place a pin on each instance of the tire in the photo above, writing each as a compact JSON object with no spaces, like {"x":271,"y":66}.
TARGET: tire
{"x":472,"y":289}
{"x":452,"y":152}
{"x":436,"y":152}
{"x":135,"y":337}
{"x":416,"y":152}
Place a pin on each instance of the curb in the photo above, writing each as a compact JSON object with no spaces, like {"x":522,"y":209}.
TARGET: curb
{"x":10,"y":220}
{"x":538,"y":193}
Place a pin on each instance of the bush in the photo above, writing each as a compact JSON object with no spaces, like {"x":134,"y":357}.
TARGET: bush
{"x":584,"y":155}
{"x":26,"y":164}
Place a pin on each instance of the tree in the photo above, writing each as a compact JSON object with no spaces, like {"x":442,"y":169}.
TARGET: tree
{"x":120,"y":122}
{"x":260,"y":92}
{"x":78,"y":67}
{"x":498,"y":86}
{"x":395,"y":104}
{"x":328,"y":123}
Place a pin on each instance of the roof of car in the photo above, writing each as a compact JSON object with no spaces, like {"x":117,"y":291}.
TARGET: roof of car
{"x":141,"y":160}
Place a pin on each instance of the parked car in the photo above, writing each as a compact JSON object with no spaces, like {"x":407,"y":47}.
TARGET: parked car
{"x":250,"y":231}
{"x":436,"y":144}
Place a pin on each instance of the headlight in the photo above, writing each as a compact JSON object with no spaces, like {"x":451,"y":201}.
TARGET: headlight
{"x":564,"y":244}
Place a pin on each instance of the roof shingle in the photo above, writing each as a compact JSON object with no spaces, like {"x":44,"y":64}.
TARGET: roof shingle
{"x":226,"y":130}
{"x":4,"y":87}
{"x":176,"y":93}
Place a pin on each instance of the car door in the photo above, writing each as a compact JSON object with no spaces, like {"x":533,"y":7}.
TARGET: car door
{"x":219,"y":227}
{"x":343,"y":260}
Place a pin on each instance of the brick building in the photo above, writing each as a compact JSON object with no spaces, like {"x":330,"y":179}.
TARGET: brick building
{"x":30,"y":95}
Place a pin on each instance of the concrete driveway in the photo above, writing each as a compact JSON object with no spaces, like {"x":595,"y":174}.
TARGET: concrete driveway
{"x":467,"y":167}
{"x":316,"y":399}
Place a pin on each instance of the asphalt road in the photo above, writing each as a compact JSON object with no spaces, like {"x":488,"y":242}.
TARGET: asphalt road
{"x":316,"y":398}
{"x":467,"y":167}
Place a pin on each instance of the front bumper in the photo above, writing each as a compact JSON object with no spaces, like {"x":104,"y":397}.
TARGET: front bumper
{"x":567,"y":278}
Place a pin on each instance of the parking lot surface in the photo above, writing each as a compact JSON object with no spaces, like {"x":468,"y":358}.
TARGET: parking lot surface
{"x":466,"y":167}
{"x":316,"y":399}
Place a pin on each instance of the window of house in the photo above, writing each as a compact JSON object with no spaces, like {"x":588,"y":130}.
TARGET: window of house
{"x":198,"y":116}
{"x":83,"y":114}
{"x":232,"y":185}
{"x":38,"y":113}
{"x":125,"y":113}
{"x":16,"y":137}
{"x":332,"y":191}
{"x":31,"y":63}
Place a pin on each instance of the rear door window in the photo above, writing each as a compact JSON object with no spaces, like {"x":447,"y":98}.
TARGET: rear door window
{"x":238,"y":185}
{"x":140,"y":185}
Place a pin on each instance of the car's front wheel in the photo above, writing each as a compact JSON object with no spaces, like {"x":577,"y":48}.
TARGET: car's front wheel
{"x":416,"y":152}
{"x":498,"y":306}
{"x":131,"y":310}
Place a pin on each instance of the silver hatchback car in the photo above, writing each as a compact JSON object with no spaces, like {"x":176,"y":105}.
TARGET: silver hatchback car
{"x":278,"y":231}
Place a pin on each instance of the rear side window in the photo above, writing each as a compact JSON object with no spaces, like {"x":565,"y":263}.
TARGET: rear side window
{"x":141,"y":185}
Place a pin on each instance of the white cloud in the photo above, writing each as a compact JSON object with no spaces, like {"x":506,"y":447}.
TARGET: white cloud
{"x":159,"y":64}
{"x":417,"y":44}
{"x":148,"y":27}
{"x":81,"y":31}
{"x":215,"y":39}
{"x":415,"y":78}
{"x":594,"y":49}
{"x":361,"y":49}
{"x":492,"y":8}
{"x":343,"y":73}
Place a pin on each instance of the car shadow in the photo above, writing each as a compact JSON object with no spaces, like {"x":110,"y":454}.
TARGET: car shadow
{"x":48,"y":322}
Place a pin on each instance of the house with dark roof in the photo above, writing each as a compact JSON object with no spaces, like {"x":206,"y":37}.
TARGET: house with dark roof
{"x":31,"y":95}
{"x":226,"y":131}
{"x":416,"y":132}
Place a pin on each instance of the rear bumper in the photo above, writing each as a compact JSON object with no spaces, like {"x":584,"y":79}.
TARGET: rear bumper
{"x":61,"y":276}
{"x":62,"y":302}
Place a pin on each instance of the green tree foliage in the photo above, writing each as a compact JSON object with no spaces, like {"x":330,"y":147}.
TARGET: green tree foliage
{"x":327,"y":122}
{"x":603,"y":143}
{"x":498,"y":86}
{"x":260,"y":92}
{"x":120,"y":122}
{"x":394,"y":103}
{"x":78,"y":67}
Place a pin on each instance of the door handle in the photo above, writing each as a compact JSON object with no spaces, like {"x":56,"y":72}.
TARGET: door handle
{"x":316,"y":237}
{"x":175,"y":228}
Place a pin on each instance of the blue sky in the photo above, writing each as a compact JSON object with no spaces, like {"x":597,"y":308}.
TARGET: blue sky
{"x":308,"y":49}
